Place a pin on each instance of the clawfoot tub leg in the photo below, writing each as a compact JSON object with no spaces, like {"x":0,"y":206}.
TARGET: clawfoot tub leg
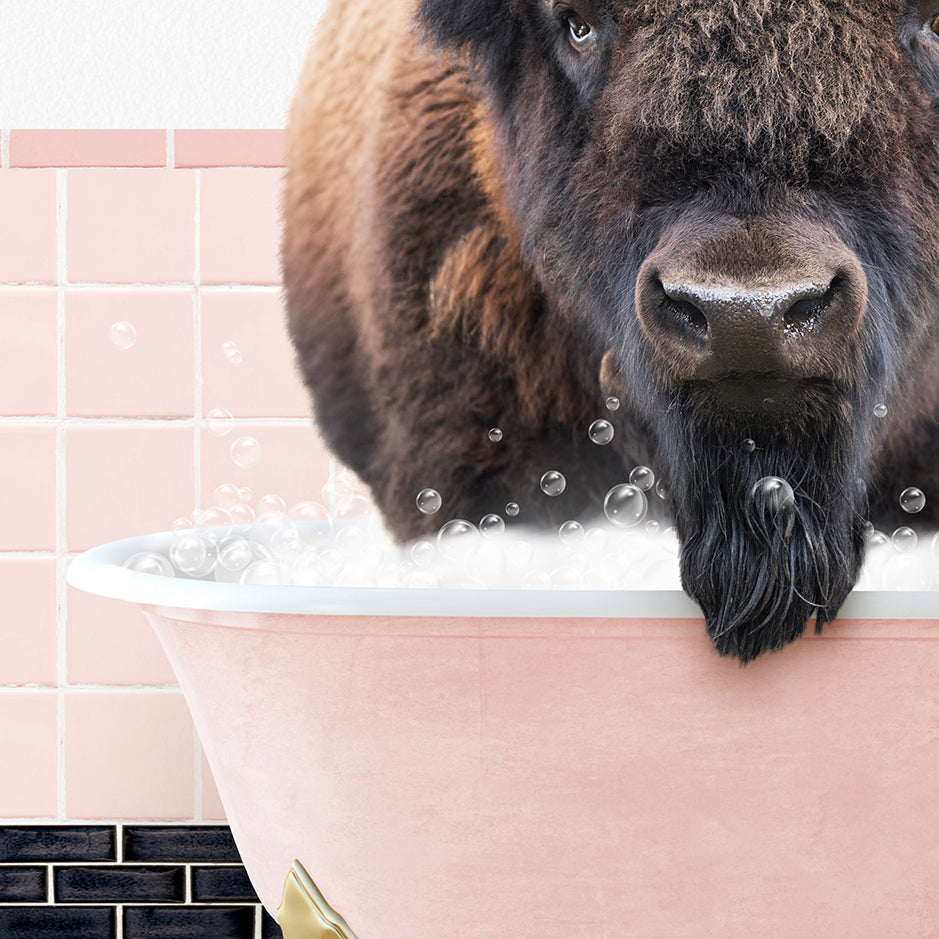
{"x":304,"y":913}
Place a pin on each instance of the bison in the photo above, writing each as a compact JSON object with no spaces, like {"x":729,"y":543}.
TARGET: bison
{"x":724,"y":212}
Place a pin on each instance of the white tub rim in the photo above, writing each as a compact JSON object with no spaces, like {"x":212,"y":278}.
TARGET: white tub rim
{"x":100,"y":571}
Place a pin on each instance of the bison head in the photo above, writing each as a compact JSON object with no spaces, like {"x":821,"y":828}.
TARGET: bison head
{"x":736,"y":202}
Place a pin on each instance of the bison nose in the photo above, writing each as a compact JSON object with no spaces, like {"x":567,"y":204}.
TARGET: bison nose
{"x":743,"y":328}
{"x":724,"y":309}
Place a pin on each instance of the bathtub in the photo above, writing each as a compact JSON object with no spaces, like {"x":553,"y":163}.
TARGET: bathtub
{"x":459,"y":764}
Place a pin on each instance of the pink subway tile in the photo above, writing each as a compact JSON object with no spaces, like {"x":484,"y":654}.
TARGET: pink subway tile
{"x":111,"y":643}
{"x":265,"y":383}
{"x":212,"y":808}
{"x":126,"y":480}
{"x":27,"y":627}
{"x":29,"y":350}
{"x":131,"y":225}
{"x":28,"y":235}
{"x":128,"y":755}
{"x":230,"y":147}
{"x":240,"y":226}
{"x":88,"y":148}
{"x":151,"y":378}
{"x":27,"y":488}
{"x":28,"y":745}
{"x":294,"y":463}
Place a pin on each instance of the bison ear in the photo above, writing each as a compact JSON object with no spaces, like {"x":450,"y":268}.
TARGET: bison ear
{"x":471,"y":24}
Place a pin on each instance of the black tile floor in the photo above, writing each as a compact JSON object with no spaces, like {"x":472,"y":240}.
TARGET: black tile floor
{"x":126,"y":881}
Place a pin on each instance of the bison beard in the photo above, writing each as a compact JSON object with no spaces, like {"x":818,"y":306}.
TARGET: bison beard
{"x":758,"y":573}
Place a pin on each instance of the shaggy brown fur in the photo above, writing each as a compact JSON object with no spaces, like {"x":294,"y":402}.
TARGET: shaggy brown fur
{"x":472,"y":201}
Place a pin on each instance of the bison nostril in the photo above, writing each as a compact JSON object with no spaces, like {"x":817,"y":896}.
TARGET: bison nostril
{"x":806,"y":310}
{"x":677,"y":311}
{"x":689,"y":315}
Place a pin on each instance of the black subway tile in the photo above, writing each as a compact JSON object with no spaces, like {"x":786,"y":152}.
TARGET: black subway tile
{"x":47,"y":921}
{"x":57,"y":843}
{"x":117,"y":884}
{"x":188,"y":922}
{"x":270,"y":928}
{"x":221,"y":883}
{"x":24,"y":884}
{"x":179,"y":843}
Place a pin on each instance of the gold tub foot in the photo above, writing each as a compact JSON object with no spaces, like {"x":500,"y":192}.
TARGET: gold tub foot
{"x":304,"y":913}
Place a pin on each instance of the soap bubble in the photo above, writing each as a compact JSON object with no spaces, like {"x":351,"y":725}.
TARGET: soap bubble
{"x":263,"y":573}
{"x":600,"y":432}
{"x":553,"y":483}
{"x":491,"y":525}
{"x":536,"y":580}
{"x":330,"y":562}
{"x":876,"y":538}
{"x":612,"y":403}
{"x":220,"y":422}
{"x":235,"y":553}
{"x":350,"y":539}
{"x":420,"y":580}
{"x":241,"y":514}
{"x":356,"y":506}
{"x":216,"y":517}
{"x":245,"y":452}
{"x":912,"y":500}
{"x":271,"y":507}
{"x":423,"y":553}
{"x":660,"y":490}
{"x":122,"y":335}
{"x":495,"y":434}
{"x":571,"y":533}
{"x":457,"y":540}
{"x":596,"y":540}
{"x":193,"y":554}
{"x":904,"y":539}
{"x":772,"y":494}
{"x":149,"y":562}
{"x":285,"y":542}
{"x":429,"y":501}
{"x":226,"y":496}
{"x":652,"y":526}
{"x":749,"y":445}
{"x":880,"y":410}
{"x":308,"y":511}
{"x":642,"y":478}
{"x":232,"y":353}
{"x":566,"y":578}
{"x":512,"y":509}
{"x":245,"y":494}
{"x":339,"y":487}
{"x":625,"y":505}
{"x":182,"y":524}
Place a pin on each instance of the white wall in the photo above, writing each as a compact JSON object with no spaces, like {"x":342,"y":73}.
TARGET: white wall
{"x":151,"y":63}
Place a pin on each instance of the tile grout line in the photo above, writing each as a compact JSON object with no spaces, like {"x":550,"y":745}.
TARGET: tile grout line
{"x":99,"y":286}
{"x":119,"y":859}
{"x":61,"y":542}
{"x":197,"y":781}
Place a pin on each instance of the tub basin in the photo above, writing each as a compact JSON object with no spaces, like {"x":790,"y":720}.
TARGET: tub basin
{"x":561,"y":765}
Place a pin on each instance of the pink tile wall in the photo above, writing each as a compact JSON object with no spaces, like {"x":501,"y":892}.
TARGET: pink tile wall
{"x":175,"y":233}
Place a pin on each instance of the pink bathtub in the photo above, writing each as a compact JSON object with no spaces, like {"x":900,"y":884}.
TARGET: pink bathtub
{"x":558,"y":764}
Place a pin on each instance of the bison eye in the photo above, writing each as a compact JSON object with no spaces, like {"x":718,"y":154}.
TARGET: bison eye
{"x":580,"y":30}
